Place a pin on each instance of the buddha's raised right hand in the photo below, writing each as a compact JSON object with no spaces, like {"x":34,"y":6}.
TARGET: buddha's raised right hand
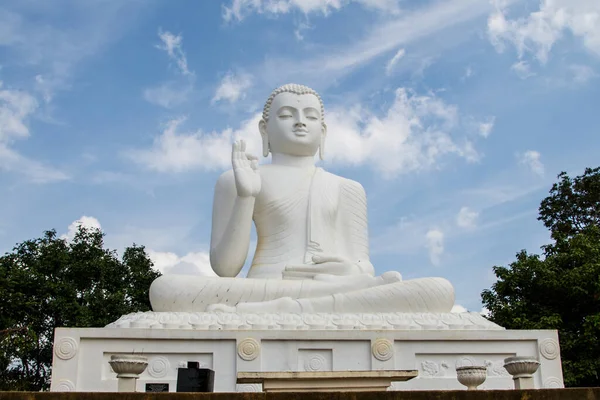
{"x":245,"y":170}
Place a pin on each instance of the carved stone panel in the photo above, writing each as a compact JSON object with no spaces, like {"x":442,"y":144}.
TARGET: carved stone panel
{"x":315,"y":360}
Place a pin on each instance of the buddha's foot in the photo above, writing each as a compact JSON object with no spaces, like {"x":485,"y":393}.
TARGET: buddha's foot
{"x":221,"y":307}
{"x":391,"y":277}
{"x":284,"y":304}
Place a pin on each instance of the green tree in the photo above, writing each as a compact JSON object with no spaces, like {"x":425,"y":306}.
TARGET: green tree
{"x":560,"y":289}
{"x":50,"y":282}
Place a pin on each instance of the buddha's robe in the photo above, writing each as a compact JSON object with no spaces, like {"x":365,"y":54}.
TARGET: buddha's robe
{"x":324,"y":214}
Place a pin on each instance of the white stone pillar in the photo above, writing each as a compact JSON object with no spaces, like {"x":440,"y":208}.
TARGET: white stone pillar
{"x":522,"y":370}
{"x":128,"y":368}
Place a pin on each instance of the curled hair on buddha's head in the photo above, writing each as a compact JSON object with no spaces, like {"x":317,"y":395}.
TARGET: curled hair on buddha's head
{"x":291,"y":88}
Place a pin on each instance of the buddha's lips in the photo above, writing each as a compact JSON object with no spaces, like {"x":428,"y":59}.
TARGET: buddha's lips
{"x":300,"y":132}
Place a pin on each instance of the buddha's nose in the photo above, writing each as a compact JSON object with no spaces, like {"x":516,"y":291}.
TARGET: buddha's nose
{"x":300,"y":123}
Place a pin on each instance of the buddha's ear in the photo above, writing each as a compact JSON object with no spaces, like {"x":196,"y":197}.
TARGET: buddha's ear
{"x":262,"y":128}
{"x":322,"y":144}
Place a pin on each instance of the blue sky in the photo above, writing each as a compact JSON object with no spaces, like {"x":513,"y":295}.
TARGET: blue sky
{"x":455,"y":115}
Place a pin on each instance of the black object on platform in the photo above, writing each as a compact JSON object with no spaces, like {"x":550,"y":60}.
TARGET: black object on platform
{"x":157,"y":387}
{"x":195,"y":379}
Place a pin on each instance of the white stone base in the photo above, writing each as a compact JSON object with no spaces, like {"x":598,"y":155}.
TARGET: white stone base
{"x":81,"y":355}
{"x":289,"y":321}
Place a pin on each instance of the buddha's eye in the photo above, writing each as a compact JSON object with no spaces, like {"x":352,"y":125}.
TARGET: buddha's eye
{"x":312,"y":117}
{"x":285,"y":116}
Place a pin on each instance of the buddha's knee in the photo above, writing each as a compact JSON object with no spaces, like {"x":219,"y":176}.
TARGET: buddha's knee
{"x":441,"y":293}
{"x":434,"y":284}
{"x":159,"y":290}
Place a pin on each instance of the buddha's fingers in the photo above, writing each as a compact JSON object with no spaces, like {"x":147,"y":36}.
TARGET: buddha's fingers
{"x":303,"y":268}
{"x":235,"y":154}
{"x":239,"y":147}
{"x":252,"y":158}
{"x":221,"y":307}
{"x":326,"y":277}
{"x":323,"y":258}
{"x":295,"y":275}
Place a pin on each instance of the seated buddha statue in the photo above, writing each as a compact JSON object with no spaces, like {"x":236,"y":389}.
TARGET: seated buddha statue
{"x":312,"y":253}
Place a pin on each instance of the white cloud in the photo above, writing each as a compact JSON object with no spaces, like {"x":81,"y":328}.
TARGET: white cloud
{"x":35,"y":171}
{"x":522,"y":69}
{"x":173,"y":151}
{"x":86,"y":222}
{"x":174,"y":92}
{"x":485,"y":128}
{"x":531,"y":159}
{"x":539,"y":31}
{"x":466,"y":218}
{"x":15,"y":109}
{"x":414,"y":134}
{"x":390,"y":65}
{"x":435,"y":245}
{"x":582,"y":73}
{"x":45,"y":87}
{"x":384,"y":36}
{"x":468,"y":73}
{"x":232,"y":87}
{"x":301,"y":27}
{"x":239,"y":9}
{"x":173,"y":45}
{"x":457,"y":308}
{"x":191,"y":264}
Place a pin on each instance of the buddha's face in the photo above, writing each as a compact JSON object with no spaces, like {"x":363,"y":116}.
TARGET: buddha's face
{"x":295,"y":126}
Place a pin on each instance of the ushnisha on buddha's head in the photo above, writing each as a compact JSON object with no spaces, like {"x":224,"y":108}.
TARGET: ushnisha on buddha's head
{"x":293,"y":123}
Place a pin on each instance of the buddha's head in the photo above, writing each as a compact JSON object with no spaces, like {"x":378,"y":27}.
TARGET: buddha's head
{"x":293,"y":123}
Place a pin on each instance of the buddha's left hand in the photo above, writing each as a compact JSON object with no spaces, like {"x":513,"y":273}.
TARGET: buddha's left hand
{"x":323,"y":264}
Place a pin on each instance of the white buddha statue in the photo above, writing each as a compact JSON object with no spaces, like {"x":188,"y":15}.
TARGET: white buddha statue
{"x":312,"y":253}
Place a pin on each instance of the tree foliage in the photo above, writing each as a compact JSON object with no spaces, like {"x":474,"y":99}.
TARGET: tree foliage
{"x":573,"y":204}
{"x":50,"y":282}
{"x":560,"y":289}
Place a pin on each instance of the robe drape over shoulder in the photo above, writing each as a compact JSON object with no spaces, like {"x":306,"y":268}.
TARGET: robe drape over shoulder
{"x":325,"y":214}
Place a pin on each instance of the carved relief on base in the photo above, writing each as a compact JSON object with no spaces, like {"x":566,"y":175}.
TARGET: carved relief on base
{"x":552,"y":383}
{"x":158,"y":367}
{"x":496,"y":368}
{"x":382,"y":349}
{"x":315,"y":360}
{"x":66,"y":348}
{"x":249,"y":387}
{"x":248,"y":349}
{"x":435,"y":367}
{"x":549,"y":349}
{"x":65,"y":385}
{"x":431,"y":369}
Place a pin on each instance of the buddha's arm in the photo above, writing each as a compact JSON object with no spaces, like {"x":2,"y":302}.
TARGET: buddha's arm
{"x":231,"y":226}
{"x":353,"y":231}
